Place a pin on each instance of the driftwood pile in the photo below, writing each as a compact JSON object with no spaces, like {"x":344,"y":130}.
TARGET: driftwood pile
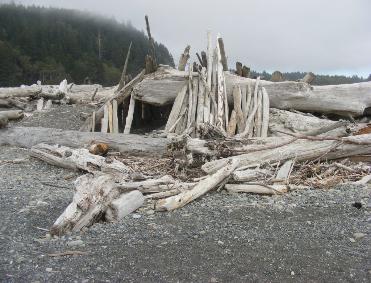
{"x":224,"y":131}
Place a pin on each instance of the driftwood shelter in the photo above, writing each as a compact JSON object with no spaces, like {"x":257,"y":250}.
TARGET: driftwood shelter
{"x":219,"y":129}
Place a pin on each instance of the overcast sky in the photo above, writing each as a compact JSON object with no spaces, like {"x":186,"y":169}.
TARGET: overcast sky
{"x":323,"y":36}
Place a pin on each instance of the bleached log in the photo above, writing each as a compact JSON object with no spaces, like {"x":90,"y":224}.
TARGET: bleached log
{"x":222,"y":121}
{"x":364,"y":180}
{"x":198,"y":190}
{"x":134,"y":144}
{"x":237,"y":98}
{"x":223,"y":57}
{"x":209,"y":59}
{"x":265,"y":113}
{"x":170,"y":190}
{"x":282,"y":120}
{"x":9,"y":92}
{"x":284,"y":172}
{"x":40,"y":104}
{"x":259,"y":115}
{"x":249,"y":103}
{"x":231,"y":130}
{"x":175,"y":111}
{"x":299,"y":150}
{"x":115,"y":121}
{"x":353,"y":99}
{"x":244,"y":106}
{"x":184,"y":58}
{"x":91,"y":200}
{"x":123,"y":75}
{"x":78,"y":159}
{"x":48,"y":105}
{"x":195,"y":90}
{"x":12,"y":114}
{"x":110,"y":117}
{"x":130,"y":116}
{"x":190,"y":97}
{"x":200,"y":104}
{"x":11,"y":102}
{"x":256,"y":189}
{"x":104,"y":122}
{"x":250,"y":174}
{"x":124,"y":205}
{"x":148,"y":186}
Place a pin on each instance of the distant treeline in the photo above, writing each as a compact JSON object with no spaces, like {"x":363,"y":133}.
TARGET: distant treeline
{"x":319,"y":80}
{"x":51,"y":44}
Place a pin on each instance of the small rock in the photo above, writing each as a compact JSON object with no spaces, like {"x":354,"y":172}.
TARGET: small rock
{"x":49,"y":269}
{"x":292,"y":273}
{"x":352,"y":240}
{"x":75,"y":243}
{"x":220,"y":243}
{"x":150,"y":212}
{"x":136,"y":216}
{"x":359,"y":236}
{"x":48,"y":236}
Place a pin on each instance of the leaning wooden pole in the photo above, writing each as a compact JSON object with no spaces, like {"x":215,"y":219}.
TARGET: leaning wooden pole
{"x":123,"y":75}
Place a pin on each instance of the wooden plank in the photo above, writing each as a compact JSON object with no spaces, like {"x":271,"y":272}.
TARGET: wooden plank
{"x":115,"y":121}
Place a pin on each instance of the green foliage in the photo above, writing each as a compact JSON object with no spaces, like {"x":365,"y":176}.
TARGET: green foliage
{"x":51,"y":44}
{"x":319,"y":80}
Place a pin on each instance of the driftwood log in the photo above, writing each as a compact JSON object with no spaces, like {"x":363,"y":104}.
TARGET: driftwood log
{"x":162,"y":87}
{"x":30,"y":136}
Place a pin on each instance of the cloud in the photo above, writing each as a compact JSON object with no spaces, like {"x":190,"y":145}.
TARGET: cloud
{"x":331,"y":36}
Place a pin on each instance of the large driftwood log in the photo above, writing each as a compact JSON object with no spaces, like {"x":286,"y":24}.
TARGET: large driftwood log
{"x":12,"y":114}
{"x":92,"y":197}
{"x":162,"y":87}
{"x":8,"y":92}
{"x":280,"y":149}
{"x":124,"y":205}
{"x":30,"y":136}
{"x":78,"y":159}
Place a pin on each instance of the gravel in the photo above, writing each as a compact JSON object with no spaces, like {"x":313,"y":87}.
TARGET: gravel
{"x":300,"y":236}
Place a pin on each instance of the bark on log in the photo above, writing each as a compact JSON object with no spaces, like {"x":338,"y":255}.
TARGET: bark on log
{"x":200,"y":189}
{"x":222,"y":53}
{"x":135,"y":144}
{"x":9,"y":92}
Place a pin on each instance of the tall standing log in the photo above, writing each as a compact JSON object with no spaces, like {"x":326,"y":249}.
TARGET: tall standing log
{"x":175,"y":111}
{"x":277,"y":76}
{"x":129,"y":117}
{"x":190,"y":97}
{"x":222,"y":53}
{"x":123,"y":75}
{"x":265,"y":113}
{"x":245,"y":72}
{"x":239,"y":69}
{"x":237,"y":107}
{"x":151,"y":43}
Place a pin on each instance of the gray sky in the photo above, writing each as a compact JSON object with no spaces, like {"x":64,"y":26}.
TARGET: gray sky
{"x":323,"y":36}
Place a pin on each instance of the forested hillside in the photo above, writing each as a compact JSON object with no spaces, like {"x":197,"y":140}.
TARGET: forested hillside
{"x":51,"y":44}
{"x":319,"y":80}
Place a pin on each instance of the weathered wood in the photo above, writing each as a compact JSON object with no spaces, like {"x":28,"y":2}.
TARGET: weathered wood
{"x":239,"y":69}
{"x":299,"y":150}
{"x":200,"y":104}
{"x":201,"y":188}
{"x":245,"y":72}
{"x":110,"y":117}
{"x":104,"y":123}
{"x":135,"y":144}
{"x":209,"y":59}
{"x":11,"y":102}
{"x":92,"y":198}
{"x":115,"y":121}
{"x":3,"y":121}
{"x":237,"y":98}
{"x":175,"y":111}
{"x":256,"y":189}
{"x":149,"y":185}
{"x":265,"y":113}
{"x":250,"y":175}
{"x":123,"y":206}
{"x":184,"y":58}
{"x":12,"y":114}
{"x":277,"y":76}
{"x":195,"y":90}
{"x":40,"y":104}
{"x":231,"y":130}
{"x":259,"y":115}
{"x":78,"y":159}
{"x":152,"y":44}
{"x":244,"y":106}
{"x":190,"y":97}
{"x":204,"y":59}
{"x":129,"y":117}
{"x":222,"y":54}
{"x":308,"y":78}
{"x":9,"y":92}
{"x":123,"y":75}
